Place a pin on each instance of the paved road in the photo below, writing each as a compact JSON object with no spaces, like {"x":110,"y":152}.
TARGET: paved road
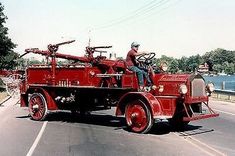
{"x":218,"y":133}
{"x":103,"y":134}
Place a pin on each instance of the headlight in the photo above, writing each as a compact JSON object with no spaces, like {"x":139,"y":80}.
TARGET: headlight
{"x":183,"y":89}
{"x":210,"y":87}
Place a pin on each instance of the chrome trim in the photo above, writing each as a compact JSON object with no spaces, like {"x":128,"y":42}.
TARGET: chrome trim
{"x":173,"y":97}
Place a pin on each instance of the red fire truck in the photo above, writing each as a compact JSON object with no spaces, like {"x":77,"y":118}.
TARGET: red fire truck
{"x":96,"y":83}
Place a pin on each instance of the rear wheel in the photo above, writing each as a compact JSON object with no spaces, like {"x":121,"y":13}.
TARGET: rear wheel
{"x":138,"y":117}
{"x":38,"y":107}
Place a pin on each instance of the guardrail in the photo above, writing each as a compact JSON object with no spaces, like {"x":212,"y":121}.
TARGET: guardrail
{"x":228,"y":93}
{"x":226,"y":85}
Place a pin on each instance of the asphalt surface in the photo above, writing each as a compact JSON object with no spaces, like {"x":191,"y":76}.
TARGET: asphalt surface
{"x":101,"y":133}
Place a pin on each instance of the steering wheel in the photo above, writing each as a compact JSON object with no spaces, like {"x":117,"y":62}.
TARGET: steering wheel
{"x":145,"y":60}
{"x":145,"y":57}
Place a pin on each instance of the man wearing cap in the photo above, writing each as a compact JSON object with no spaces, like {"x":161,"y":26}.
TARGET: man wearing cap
{"x":132,"y":64}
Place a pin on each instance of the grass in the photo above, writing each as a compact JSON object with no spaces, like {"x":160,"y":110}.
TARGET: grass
{"x":3,"y":95}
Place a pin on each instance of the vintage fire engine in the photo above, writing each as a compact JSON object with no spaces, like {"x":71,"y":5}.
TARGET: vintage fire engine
{"x":97,"y":83}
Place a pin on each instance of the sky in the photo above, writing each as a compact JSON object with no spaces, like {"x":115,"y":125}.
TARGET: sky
{"x":174,"y":28}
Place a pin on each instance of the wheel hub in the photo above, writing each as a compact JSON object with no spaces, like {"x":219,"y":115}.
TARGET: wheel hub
{"x":138,"y":117}
{"x":35,"y":107}
{"x":134,"y":115}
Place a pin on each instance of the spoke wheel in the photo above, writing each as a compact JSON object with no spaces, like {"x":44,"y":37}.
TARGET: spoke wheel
{"x":37,"y":107}
{"x":138,"y":117}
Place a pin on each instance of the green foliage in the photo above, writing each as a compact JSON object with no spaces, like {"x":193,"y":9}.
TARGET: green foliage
{"x":7,"y":56}
{"x":183,"y":64}
{"x":63,"y":62}
{"x":219,"y":56}
{"x":193,"y":62}
{"x":221,"y":60}
{"x":173,"y":64}
{"x":9,"y":60}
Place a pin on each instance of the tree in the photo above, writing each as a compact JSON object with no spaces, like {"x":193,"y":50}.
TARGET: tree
{"x":221,"y":60}
{"x":174,"y":66}
{"x":229,"y":69}
{"x":193,"y":62}
{"x":32,"y":61}
{"x":218,"y":68}
{"x":7,"y":55}
{"x":183,"y":64}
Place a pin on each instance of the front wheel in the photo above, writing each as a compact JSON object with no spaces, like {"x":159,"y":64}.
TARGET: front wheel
{"x":138,"y":117}
{"x":38,"y":107}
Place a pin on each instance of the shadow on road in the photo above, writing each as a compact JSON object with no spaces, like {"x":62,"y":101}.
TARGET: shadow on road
{"x":23,"y":117}
{"x":165,"y":127}
{"x":95,"y":119}
{"x":102,"y":119}
{"x":191,"y":130}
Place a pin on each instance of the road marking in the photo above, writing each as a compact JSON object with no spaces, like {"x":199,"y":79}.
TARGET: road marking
{"x":223,"y":112}
{"x":36,"y":141}
{"x":200,"y":145}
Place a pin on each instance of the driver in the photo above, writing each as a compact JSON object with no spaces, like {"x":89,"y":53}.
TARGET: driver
{"x":132,"y":65}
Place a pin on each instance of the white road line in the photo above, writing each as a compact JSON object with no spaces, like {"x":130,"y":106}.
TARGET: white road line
{"x":223,"y":112}
{"x":30,"y":152}
{"x":199,"y":147}
{"x":207,"y":149}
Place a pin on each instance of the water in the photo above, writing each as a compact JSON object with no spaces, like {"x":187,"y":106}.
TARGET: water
{"x":229,"y":81}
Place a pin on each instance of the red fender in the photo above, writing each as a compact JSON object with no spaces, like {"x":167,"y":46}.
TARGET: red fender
{"x":51,"y":105}
{"x":148,"y":98}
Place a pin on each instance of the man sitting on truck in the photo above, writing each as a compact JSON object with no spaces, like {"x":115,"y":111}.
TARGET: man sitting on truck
{"x":132,"y":65}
